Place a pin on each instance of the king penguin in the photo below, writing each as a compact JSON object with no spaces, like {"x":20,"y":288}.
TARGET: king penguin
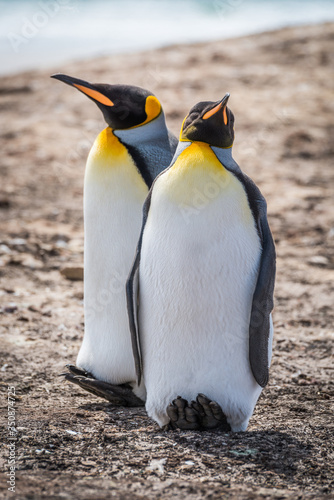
{"x":200,"y":292}
{"x":121,"y":166}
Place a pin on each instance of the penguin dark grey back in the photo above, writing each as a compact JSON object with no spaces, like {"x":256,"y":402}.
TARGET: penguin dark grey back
{"x":121,"y":166}
{"x":203,"y":277}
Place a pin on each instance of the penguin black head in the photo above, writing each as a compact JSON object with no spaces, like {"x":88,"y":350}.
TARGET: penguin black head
{"x":123,"y":106}
{"x":211,"y":122}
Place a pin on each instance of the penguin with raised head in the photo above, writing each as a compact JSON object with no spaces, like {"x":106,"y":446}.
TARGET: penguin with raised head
{"x":200,"y":293}
{"x":121,"y":166}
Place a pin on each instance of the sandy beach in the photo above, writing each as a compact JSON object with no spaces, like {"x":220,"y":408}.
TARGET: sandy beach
{"x":282,"y":95}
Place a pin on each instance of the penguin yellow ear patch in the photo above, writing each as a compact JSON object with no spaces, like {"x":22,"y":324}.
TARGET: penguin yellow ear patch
{"x":94,"y":94}
{"x":152,"y":108}
{"x":181,"y":131}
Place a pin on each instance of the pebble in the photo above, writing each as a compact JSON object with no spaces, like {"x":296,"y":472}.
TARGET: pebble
{"x":17,"y":241}
{"x":72,"y":273}
{"x":10,"y":308}
{"x":157,"y":465}
{"x":5,"y":250}
{"x":318,"y":260}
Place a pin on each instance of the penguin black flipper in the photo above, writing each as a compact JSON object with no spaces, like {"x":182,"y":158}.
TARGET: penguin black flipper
{"x":263,"y":297}
{"x":132,"y":287}
{"x":263,"y":304}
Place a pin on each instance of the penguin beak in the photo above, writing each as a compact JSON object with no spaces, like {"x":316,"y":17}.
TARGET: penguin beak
{"x":221,"y":105}
{"x":89,"y":89}
{"x":225,"y":99}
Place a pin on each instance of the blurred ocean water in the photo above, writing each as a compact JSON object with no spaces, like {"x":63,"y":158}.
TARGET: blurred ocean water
{"x":43,"y":33}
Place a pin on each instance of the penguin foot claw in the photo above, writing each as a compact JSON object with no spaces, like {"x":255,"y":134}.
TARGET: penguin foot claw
{"x":118,"y":395}
{"x":202,"y":414}
{"x":211,"y":416}
{"x":183,"y":416}
{"x":77,"y":371}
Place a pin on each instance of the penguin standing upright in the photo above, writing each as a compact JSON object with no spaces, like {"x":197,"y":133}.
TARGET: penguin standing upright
{"x":203,"y":279}
{"x":121,"y":166}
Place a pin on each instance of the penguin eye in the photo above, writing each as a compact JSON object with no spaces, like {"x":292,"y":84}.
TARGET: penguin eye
{"x":193,"y":115}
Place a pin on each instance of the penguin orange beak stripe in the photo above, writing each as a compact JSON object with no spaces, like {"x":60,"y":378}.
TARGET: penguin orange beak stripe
{"x":225,"y":116}
{"x":94,"y":94}
{"x":214,"y":110}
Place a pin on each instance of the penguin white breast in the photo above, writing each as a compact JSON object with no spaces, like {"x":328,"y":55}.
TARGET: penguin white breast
{"x":114,"y":192}
{"x":199,"y":263}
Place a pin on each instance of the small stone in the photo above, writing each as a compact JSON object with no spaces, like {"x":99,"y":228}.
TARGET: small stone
{"x":31,"y":262}
{"x":33,"y":309}
{"x":72,"y":273}
{"x":61,"y":244}
{"x":17,"y":242}
{"x":89,"y":463}
{"x":5,"y":250}
{"x":318,"y":260}
{"x":157,"y":465}
{"x":10,"y":308}
{"x":4,"y":203}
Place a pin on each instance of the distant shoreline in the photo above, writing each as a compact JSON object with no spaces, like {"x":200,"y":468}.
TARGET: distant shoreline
{"x":48,"y":59}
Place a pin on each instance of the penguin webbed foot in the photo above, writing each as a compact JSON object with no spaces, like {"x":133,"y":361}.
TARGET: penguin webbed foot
{"x":118,"y":395}
{"x":202,"y":414}
{"x":182,"y":416}
{"x":210,"y":414}
{"x":77,"y":371}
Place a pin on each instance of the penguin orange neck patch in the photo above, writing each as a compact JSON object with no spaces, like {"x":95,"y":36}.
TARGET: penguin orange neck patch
{"x":94,"y":94}
{"x":107,"y":149}
{"x":197,"y":157}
